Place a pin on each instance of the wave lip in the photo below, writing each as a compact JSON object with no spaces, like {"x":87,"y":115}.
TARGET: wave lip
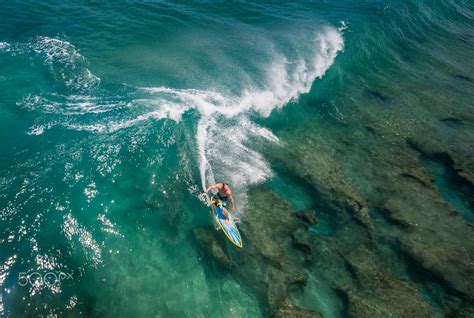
{"x":284,"y":82}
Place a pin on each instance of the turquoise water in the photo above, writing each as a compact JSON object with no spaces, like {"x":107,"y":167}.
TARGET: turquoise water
{"x":114,"y":117}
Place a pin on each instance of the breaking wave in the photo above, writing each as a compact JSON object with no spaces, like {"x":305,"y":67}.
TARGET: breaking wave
{"x":225,"y":124}
{"x":225,"y":119}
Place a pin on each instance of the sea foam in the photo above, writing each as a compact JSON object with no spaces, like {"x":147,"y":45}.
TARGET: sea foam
{"x":64,"y":61}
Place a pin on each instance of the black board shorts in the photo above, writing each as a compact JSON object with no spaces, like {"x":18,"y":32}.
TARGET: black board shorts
{"x":224,"y":200}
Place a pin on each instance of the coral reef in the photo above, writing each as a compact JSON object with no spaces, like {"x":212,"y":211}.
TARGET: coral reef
{"x":406,"y":254}
{"x":420,"y":226}
{"x":313,"y":161}
{"x":377,"y":293}
{"x":288,"y":309}
{"x":213,"y":246}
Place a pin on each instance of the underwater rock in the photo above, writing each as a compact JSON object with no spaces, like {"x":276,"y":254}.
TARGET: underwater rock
{"x":213,"y":246}
{"x":263,"y":264}
{"x":313,"y":160}
{"x":377,"y":95}
{"x":419,"y":225}
{"x":430,"y":232}
{"x":308,"y":216}
{"x":376,"y":161}
{"x":453,"y":121}
{"x":463,"y":77}
{"x":377,"y":293}
{"x":461,"y":160}
{"x":300,"y":239}
{"x":288,"y":309}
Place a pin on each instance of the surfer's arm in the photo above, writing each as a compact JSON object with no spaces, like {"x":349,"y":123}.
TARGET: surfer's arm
{"x":232,"y":201}
{"x":211,"y":187}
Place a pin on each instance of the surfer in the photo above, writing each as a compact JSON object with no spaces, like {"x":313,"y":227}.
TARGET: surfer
{"x":224,"y":194}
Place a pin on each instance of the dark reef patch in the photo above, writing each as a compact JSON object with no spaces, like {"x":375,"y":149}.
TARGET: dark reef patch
{"x":308,"y":216}
{"x":455,"y":190}
{"x":288,"y":309}
{"x":430,"y":220}
{"x":452,"y":121}
{"x":378,"y":95}
{"x":416,"y":178}
{"x":439,"y":294}
{"x":213,"y":246}
{"x":301,"y":240}
{"x":378,"y":293}
{"x":318,"y":214}
{"x":393,"y":220}
{"x":311,"y":161}
{"x":463,"y":78}
{"x":462,"y":164}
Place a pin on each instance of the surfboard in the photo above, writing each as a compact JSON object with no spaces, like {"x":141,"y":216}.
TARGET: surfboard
{"x":230,"y":229}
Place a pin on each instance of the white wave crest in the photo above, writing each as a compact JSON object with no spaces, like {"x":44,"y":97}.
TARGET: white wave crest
{"x":75,"y":105}
{"x":285,"y":82}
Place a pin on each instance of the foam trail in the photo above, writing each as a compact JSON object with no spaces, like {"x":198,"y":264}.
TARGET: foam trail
{"x":204,"y":165}
{"x":285,"y":82}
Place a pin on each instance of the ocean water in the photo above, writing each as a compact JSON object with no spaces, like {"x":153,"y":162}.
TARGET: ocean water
{"x":115,"y":116}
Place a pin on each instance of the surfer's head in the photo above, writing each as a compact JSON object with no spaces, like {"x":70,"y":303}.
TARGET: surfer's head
{"x":224,"y":185}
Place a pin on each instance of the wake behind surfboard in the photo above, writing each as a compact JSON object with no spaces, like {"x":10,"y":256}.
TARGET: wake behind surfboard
{"x":227,"y":226}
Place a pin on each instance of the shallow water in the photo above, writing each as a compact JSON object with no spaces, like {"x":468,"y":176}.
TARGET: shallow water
{"x":113,"y":117}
